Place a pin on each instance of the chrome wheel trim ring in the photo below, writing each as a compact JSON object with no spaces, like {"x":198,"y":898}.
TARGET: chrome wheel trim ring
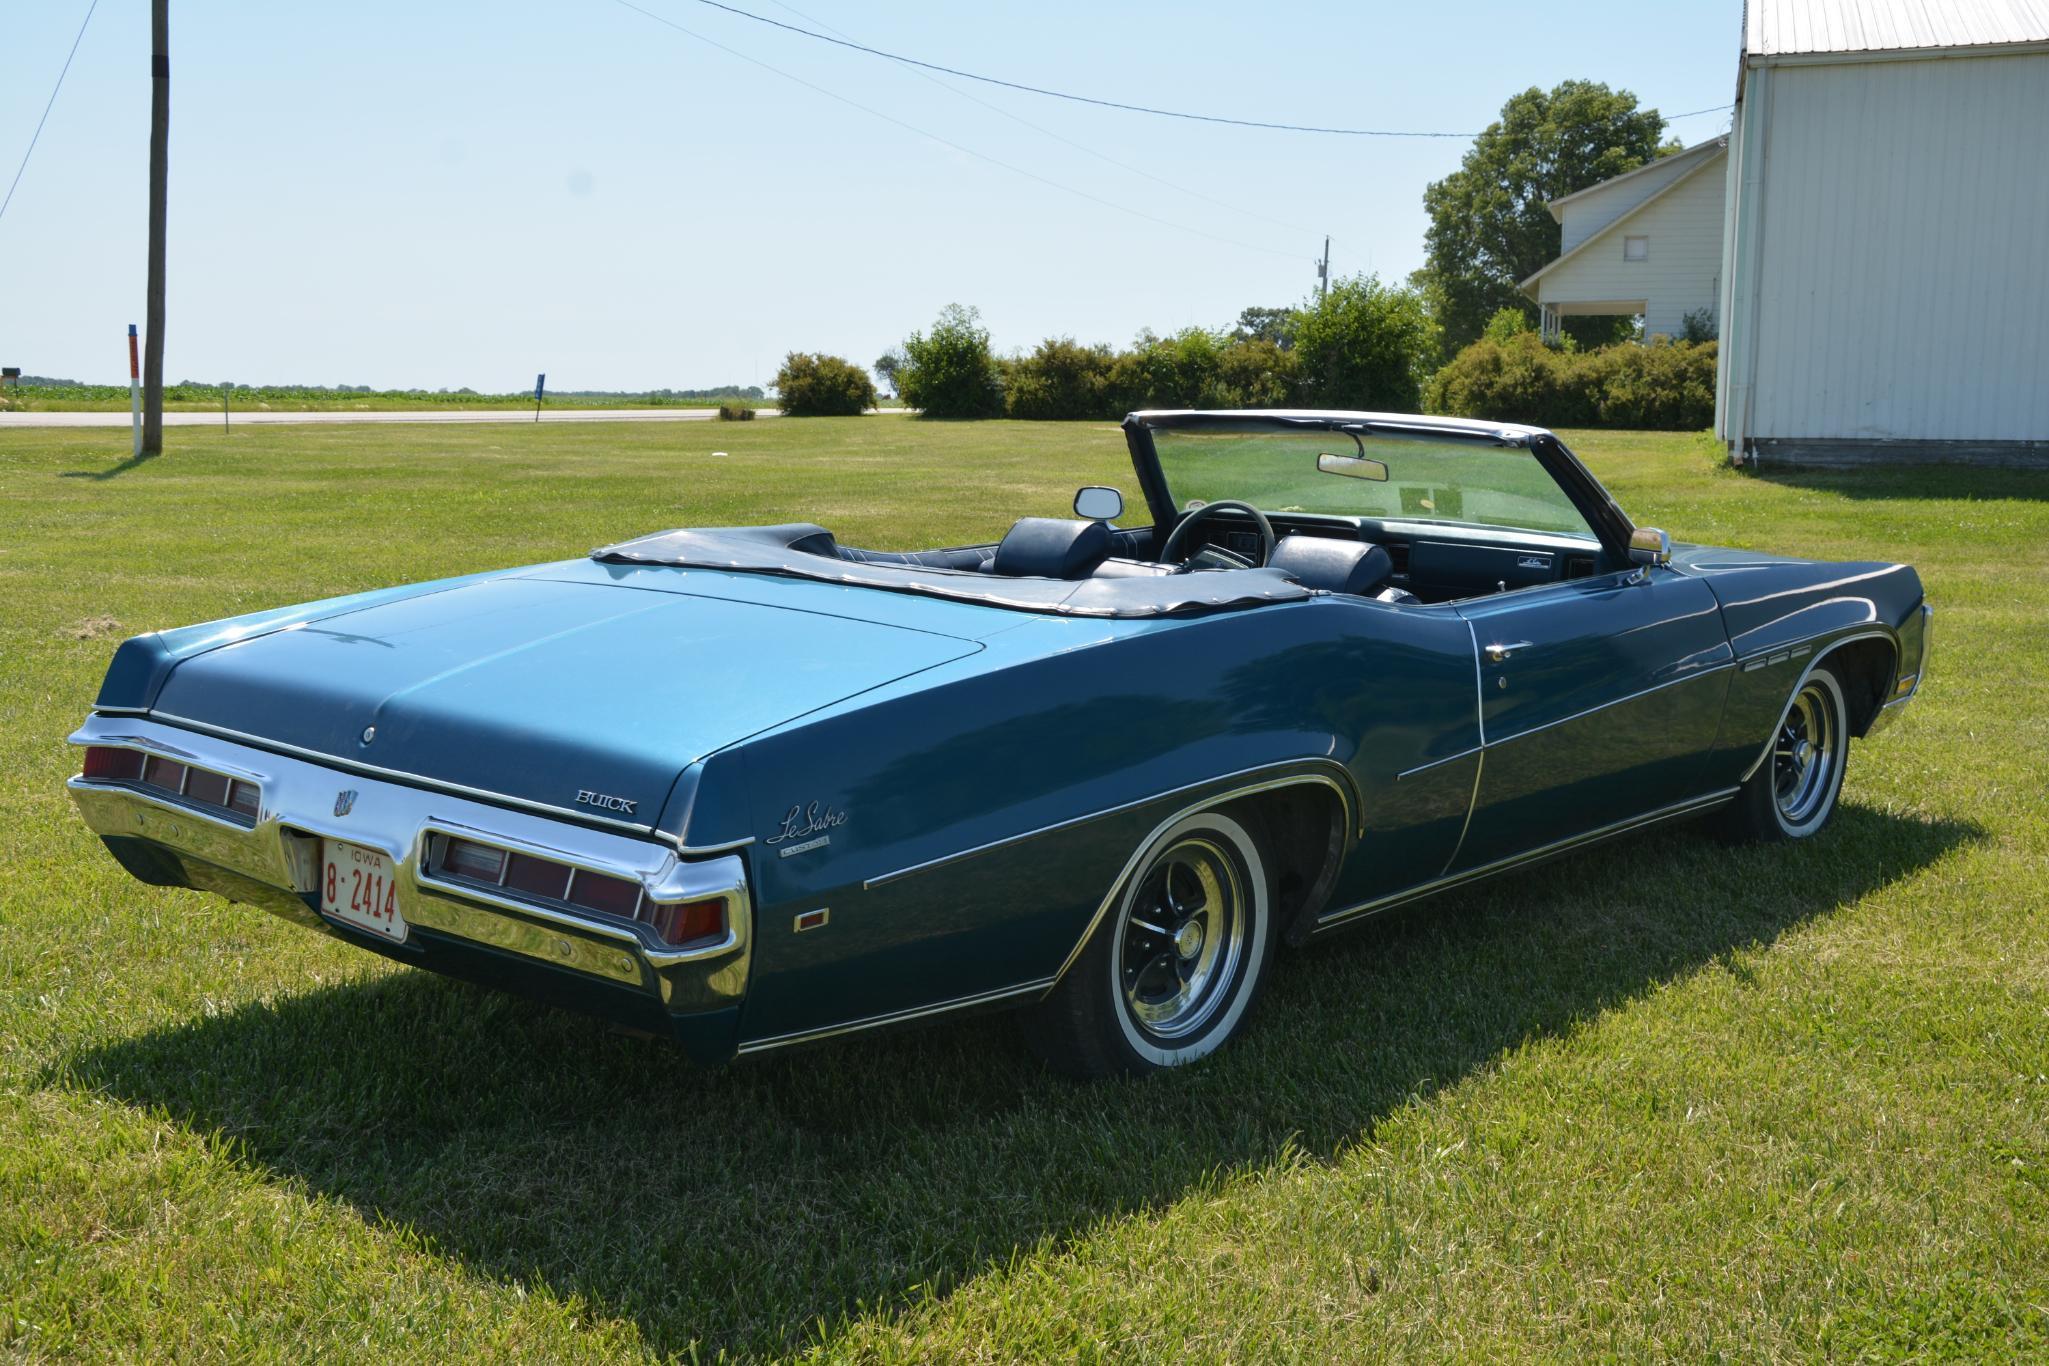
{"x":1181,"y":937}
{"x":1231,"y":990}
{"x":1807,"y":755}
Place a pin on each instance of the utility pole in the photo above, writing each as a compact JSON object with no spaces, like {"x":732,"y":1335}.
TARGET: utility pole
{"x":1323,"y":271}
{"x":159,"y":147}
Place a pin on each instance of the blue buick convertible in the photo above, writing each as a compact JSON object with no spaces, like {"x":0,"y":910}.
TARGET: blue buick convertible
{"x":749,"y":787}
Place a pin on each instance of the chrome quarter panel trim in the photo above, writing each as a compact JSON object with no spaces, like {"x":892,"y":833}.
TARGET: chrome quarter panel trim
{"x":1354,"y":814}
{"x":1890,"y":711}
{"x":1471,"y":803}
{"x":277,"y":856}
{"x":1138,"y":854}
{"x":1696,"y":675}
{"x":1332,"y":919}
{"x":581,"y":816}
{"x":899,"y":1017}
{"x":1439,"y":763}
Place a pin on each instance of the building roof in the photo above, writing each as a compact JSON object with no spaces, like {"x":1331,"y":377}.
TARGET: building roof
{"x":1784,"y":28}
{"x":1602,"y":233}
{"x":1720,"y":140}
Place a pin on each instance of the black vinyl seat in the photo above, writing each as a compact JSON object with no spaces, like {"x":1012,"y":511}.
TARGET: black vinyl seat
{"x":1051,"y":548}
{"x":1333,"y":566}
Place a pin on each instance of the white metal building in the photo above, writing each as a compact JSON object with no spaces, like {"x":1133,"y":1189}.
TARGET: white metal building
{"x":1647,"y":243}
{"x":1885,"y":275}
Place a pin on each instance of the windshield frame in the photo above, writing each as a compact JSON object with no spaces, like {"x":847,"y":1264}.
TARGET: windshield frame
{"x":1593,"y":502}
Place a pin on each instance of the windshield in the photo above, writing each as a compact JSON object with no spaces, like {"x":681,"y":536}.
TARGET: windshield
{"x":1361,"y":473}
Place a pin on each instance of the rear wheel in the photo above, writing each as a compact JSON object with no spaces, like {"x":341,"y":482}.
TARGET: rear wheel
{"x":1793,"y":792}
{"x":1175,"y":966}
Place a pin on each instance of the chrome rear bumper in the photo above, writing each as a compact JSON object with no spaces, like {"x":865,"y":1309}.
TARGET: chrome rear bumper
{"x":273,"y":860}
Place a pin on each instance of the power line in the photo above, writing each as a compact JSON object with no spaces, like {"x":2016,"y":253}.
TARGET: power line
{"x":948,"y":142}
{"x":48,"y":107}
{"x":1067,"y":141}
{"x":1089,"y":99}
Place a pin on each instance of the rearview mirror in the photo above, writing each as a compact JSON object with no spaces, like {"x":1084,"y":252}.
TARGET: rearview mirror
{"x":1352,"y":467}
{"x":1099,"y":504}
{"x":1648,"y":545}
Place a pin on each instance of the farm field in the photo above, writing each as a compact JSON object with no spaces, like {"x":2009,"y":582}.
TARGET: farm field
{"x":1666,"y":1099}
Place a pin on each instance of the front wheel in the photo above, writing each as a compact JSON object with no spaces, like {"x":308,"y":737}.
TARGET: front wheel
{"x":1176,"y":964}
{"x":1793,"y":792}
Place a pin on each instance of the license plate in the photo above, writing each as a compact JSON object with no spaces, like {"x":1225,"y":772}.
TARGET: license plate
{"x":358,"y":887}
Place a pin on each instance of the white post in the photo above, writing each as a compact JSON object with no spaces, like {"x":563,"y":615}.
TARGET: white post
{"x":135,"y":390}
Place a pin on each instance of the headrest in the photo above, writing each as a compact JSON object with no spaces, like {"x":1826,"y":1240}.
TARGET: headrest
{"x":1333,"y":566}
{"x":1051,"y":548}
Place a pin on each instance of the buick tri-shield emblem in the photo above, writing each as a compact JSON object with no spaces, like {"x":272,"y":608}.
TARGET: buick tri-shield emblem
{"x":344,"y":801}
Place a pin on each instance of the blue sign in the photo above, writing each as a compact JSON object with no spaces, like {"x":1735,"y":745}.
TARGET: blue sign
{"x":540,"y":382}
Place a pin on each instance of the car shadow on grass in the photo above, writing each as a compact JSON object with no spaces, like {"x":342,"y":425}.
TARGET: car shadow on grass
{"x":747,"y":1207}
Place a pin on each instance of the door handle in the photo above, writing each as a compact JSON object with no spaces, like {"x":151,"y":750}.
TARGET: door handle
{"x":1499,"y":654}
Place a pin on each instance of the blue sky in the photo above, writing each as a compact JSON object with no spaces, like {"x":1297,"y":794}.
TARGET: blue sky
{"x":404,"y":194}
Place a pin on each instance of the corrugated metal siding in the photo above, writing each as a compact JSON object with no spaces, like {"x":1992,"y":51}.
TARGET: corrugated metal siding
{"x":1904,"y":286}
{"x":1786,"y":27}
{"x":1685,"y":231}
{"x":1602,"y":205}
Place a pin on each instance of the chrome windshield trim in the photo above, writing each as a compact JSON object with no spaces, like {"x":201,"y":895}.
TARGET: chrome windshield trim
{"x":896,"y":1017}
{"x":1341,"y":788}
{"x":440,"y":785}
{"x":1332,"y":919}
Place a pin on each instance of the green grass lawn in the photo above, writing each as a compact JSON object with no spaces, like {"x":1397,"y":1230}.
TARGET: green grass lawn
{"x":1664,"y":1100}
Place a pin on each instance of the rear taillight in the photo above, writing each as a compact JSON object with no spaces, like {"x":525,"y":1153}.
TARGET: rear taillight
{"x":199,"y":786}
{"x":596,"y":892}
{"x":108,"y":764}
{"x":686,"y":922}
{"x":477,"y":862}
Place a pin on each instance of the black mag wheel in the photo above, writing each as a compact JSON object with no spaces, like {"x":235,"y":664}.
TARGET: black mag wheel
{"x":1175,"y":963}
{"x":1793,"y":792}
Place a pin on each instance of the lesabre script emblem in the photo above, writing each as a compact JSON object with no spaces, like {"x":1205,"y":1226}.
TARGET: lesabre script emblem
{"x":586,"y":797}
{"x":807,"y":824}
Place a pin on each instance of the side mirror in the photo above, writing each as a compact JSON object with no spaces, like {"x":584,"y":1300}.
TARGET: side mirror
{"x":1648,"y":546}
{"x":1099,"y":504}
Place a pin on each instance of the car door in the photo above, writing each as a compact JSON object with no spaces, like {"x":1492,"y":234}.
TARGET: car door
{"x":1599,"y":699}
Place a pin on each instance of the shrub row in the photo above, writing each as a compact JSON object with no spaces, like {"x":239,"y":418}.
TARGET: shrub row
{"x":1362,"y":344}
{"x":1664,"y":384}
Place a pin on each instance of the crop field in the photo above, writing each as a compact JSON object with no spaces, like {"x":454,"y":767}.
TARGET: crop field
{"x":1664,"y":1100}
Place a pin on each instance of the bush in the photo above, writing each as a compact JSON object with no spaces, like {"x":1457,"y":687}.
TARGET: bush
{"x":951,"y":373}
{"x":1365,"y":345}
{"x":735,"y":412}
{"x":1060,"y":379}
{"x":1661,"y":384}
{"x":823,"y":386}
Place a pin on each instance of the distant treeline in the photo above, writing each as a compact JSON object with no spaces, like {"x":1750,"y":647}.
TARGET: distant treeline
{"x":41,"y":391}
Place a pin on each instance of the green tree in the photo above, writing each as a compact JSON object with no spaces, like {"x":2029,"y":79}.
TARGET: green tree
{"x":1489,"y":224}
{"x":950,"y":372}
{"x":1365,"y":345}
{"x":1276,"y":325}
{"x":823,"y":386}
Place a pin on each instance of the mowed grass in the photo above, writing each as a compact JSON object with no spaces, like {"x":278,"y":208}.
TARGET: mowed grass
{"x":1667,"y":1099}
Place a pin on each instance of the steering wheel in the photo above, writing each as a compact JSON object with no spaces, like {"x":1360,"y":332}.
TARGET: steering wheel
{"x":1206,"y":511}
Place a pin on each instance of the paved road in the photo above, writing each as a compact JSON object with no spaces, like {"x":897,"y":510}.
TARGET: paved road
{"x":121,"y":419}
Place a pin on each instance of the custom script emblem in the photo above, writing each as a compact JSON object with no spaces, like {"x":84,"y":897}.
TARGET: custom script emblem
{"x":808,"y":825}
{"x":344,"y":801}
{"x":586,"y":797}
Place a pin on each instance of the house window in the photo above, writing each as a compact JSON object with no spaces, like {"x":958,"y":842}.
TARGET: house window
{"x":1636,"y":248}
